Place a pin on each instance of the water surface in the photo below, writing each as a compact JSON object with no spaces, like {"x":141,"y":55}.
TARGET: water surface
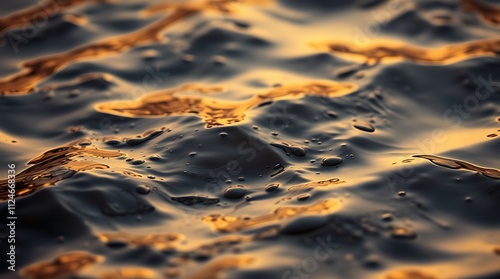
{"x":251,"y":138}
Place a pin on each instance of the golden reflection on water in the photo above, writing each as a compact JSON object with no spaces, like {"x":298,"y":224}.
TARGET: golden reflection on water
{"x":157,"y":241}
{"x":216,"y":112}
{"x":214,"y":268}
{"x":55,"y":165}
{"x":37,"y":70}
{"x":129,"y":273}
{"x":394,"y":52}
{"x":223,"y":223}
{"x":44,"y":9}
{"x":170,"y":242}
{"x":208,"y":102}
{"x":458,"y":164}
{"x":62,"y":265}
{"x":409,"y":274}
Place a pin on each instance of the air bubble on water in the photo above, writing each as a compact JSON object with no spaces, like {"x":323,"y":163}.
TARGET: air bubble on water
{"x":192,"y":154}
{"x":331,"y":114}
{"x":304,"y":196}
{"x":154,"y":157}
{"x":223,"y":134}
{"x":364,"y":126}
{"x":138,"y":162}
{"x":143,"y":189}
{"x":386,"y":217}
{"x":331,"y":161}
{"x":85,"y":143}
{"x":112,"y":142}
{"x":235,"y":192}
{"x":271,"y":187}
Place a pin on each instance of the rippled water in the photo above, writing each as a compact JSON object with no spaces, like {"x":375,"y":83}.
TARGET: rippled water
{"x":252,"y":138}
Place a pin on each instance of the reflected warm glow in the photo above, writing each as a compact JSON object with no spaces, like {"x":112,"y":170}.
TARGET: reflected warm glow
{"x":63,"y":265}
{"x":394,"y":52}
{"x":213,"y":111}
{"x":231,"y":224}
{"x":55,"y":165}
{"x":210,"y":139}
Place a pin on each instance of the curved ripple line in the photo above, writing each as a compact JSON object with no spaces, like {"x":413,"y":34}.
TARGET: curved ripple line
{"x":458,"y":164}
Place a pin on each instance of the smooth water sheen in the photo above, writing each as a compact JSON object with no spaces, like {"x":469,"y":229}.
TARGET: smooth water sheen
{"x":251,"y":138}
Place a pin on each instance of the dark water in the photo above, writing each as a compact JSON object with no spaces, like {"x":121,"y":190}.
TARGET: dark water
{"x":251,"y":139}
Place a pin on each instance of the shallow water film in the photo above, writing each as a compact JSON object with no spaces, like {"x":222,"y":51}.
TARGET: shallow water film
{"x":246,"y":139}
